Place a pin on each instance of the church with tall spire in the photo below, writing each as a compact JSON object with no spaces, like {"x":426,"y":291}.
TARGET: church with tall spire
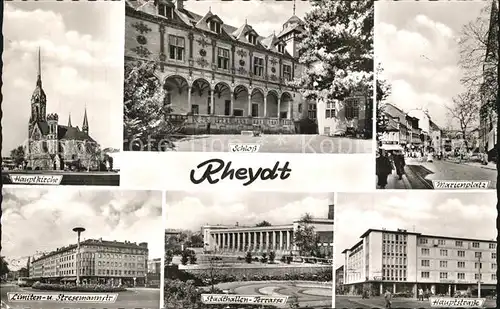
{"x":53,"y":146}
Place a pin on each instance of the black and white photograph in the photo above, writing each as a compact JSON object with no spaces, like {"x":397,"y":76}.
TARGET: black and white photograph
{"x":249,"y":76}
{"x":401,"y":249}
{"x":437,"y":94}
{"x":250,"y":244}
{"x":62,"y":92}
{"x":113,"y":235}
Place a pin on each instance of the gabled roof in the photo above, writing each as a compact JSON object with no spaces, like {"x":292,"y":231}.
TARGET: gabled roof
{"x":72,"y":133}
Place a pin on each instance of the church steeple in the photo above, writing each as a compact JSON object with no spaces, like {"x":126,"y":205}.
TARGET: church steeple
{"x":38,"y":98}
{"x":85,"y":126}
{"x":69,"y":121}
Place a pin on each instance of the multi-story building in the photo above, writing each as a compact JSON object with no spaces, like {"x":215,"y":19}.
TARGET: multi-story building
{"x":154,"y":266}
{"x":489,"y":90}
{"x":277,"y":238}
{"x":436,"y":136}
{"x":99,"y":261}
{"x":339,"y":279}
{"x":220,"y":78}
{"x":403,"y":261}
{"x":397,"y":131}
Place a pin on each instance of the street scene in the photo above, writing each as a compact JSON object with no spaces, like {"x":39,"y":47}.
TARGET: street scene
{"x":437,"y":93}
{"x":58,"y":92}
{"x":94,"y":243}
{"x":418,"y":248}
{"x":254,"y":244}
{"x":254,"y":73}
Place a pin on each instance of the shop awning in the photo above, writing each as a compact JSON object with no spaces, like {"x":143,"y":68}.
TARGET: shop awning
{"x":69,"y":279}
{"x":391,"y":147}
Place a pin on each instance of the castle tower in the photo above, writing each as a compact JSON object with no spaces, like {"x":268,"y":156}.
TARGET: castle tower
{"x":290,"y":34}
{"x":38,"y":98}
{"x":85,"y":126}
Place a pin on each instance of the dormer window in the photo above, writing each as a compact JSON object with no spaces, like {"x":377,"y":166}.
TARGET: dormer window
{"x":214,"y":26}
{"x":165,"y":11}
{"x":252,"y":39}
{"x":281,"y":48}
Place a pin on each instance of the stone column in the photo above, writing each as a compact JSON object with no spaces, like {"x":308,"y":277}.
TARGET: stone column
{"x":393,"y":288}
{"x":244,"y":236}
{"x":289,"y":113}
{"x":279,"y":107}
{"x":288,"y":247}
{"x":189,"y":100}
{"x":254,"y":241}
{"x":231,"y":109}
{"x":212,"y":105}
{"x":268,"y":241}
{"x":281,"y":240}
{"x":261,"y":241}
{"x":265,"y":105}
{"x":249,"y":104}
{"x":238,"y":246}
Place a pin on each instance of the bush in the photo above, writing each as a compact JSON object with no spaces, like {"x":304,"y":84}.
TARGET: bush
{"x":248,"y":257}
{"x":289,"y":259}
{"x":272,"y":257}
{"x":263,"y":259}
{"x":98,"y":288}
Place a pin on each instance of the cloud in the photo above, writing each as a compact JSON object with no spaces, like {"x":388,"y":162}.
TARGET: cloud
{"x":467,"y":215}
{"x":420,"y":60}
{"x":79,"y":69}
{"x":50,"y":214}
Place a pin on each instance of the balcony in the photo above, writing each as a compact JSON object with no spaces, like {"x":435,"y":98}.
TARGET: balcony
{"x":221,"y":124}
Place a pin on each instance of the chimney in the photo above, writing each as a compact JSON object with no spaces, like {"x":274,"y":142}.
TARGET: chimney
{"x":330,"y":212}
{"x":179,"y":4}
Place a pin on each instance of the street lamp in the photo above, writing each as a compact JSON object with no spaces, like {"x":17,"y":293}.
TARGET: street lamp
{"x":79,"y":231}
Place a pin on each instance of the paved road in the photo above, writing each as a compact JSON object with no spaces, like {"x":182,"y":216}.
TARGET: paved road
{"x":130,"y":299}
{"x":352,"y":302}
{"x":277,"y":143}
{"x":440,"y":170}
{"x":313,"y":294}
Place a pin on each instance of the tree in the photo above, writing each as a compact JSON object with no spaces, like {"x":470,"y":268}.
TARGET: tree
{"x":305,"y":237}
{"x":146,"y":125}
{"x":263,"y":223}
{"x":272,"y":257}
{"x":465,"y":110}
{"x":169,"y":255}
{"x":185,"y":257}
{"x":195,"y":241}
{"x":263,"y":258}
{"x":4,"y":267}
{"x":248,"y":257}
{"x":17,"y":155}
{"x":192,"y":258}
{"x":383,"y":90}
{"x":337,"y":49}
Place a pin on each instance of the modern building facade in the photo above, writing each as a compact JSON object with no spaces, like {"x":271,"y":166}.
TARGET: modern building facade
{"x":154,"y":266}
{"x":220,"y":78}
{"x":99,"y":261}
{"x":52,"y":146}
{"x":403,"y":261}
{"x":277,"y":238}
{"x":339,"y":279}
{"x":488,"y":114}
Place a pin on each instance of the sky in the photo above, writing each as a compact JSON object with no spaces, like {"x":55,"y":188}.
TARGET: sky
{"x":41,"y":220}
{"x":467,"y":215}
{"x":264,"y":16}
{"x":190,"y":211}
{"x":417,"y":45}
{"x":82,"y":65}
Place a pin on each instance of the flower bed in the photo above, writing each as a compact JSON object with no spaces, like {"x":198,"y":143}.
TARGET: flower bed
{"x":97,"y":288}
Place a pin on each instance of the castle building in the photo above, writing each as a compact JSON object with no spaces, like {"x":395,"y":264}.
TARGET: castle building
{"x":52,"y":146}
{"x":404,"y":261}
{"x":259,"y":239}
{"x":99,"y":262}
{"x":220,"y":78}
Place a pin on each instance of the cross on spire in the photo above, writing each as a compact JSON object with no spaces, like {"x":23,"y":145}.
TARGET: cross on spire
{"x":39,"y":72}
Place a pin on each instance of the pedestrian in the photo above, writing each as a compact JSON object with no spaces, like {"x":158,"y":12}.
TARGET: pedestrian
{"x":388,"y":299}
{"x":421,"y":294}
{"x":399,"y":163}
{"x":383,"y":168}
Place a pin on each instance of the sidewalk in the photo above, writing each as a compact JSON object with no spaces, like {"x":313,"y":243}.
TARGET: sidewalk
{"x":489,"y":166}
{"x":393,"y":182}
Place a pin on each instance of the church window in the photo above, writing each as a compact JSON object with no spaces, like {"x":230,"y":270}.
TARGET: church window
{"x":223,"y":58}
{"x":214,"y":26}
{"x":45,"y":148}
{"x":258,"y":66}
{"x":165,"y":11}
{"x":176,"y":47}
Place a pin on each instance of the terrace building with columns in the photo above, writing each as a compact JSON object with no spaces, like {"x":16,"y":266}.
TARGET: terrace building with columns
{"x":223,"y":239}
{"x":222,"y":79}
{"x":404,"y":262}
